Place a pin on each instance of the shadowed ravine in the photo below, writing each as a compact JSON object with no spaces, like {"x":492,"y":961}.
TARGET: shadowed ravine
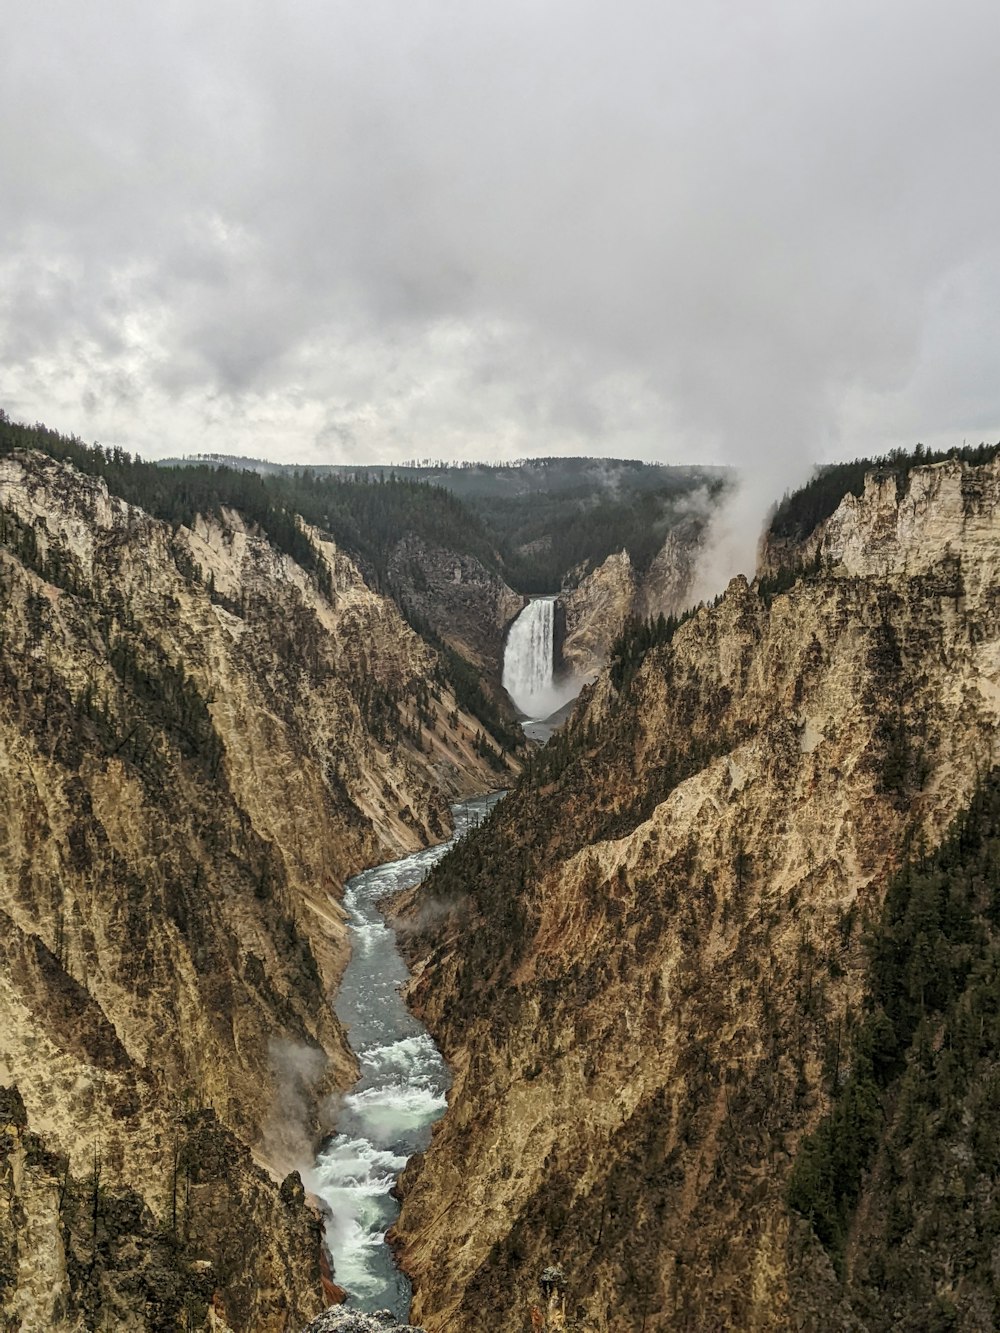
{"x":388,"y":1114}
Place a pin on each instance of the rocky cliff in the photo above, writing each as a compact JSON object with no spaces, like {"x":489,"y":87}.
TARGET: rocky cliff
{"x":591,"y":615}
{"x":594,"y":612}
{"x":465,"y":604}
{"x":645,"y":967}
{"x":198,"y":742}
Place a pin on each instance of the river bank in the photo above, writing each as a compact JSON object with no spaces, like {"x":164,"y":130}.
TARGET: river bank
{"x":402,"y":1089}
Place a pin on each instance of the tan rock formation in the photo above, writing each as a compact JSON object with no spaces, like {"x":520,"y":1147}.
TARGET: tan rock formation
{"x":594,"y":613}
{"x":197,"y":745}
{"x":465,"y":604}
{"x":652,"y":947}
{"x":596,"y":609}
{"x":230,"y":1252}
{"x":665,"y":587}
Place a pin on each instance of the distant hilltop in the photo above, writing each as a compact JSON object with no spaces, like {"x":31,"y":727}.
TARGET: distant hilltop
{"x":549,"y":521}
{"x":469,"y":477}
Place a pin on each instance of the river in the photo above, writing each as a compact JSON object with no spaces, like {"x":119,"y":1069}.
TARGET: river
{"x":387,"y":1116}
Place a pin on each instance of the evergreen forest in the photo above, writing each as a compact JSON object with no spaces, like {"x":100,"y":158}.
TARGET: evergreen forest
{"x":899,"y":1181}
{"x":799,"y":512}
{"x":552,"y":520}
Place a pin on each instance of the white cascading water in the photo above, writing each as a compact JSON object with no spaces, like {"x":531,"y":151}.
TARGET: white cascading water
{"x":388,"y":1115}
{"x":528,"y":662}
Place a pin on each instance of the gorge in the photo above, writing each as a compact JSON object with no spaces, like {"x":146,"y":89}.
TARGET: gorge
{"x":709,"y":996}
{"x":204,"y":733}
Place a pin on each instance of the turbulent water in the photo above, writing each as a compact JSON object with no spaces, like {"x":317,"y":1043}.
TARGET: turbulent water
{"x":528,"y":657}
{"x":388,"y":1114}
{"x":529,"y":667}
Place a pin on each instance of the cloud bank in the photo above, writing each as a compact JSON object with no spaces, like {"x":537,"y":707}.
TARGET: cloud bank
{"x":760,"y":235}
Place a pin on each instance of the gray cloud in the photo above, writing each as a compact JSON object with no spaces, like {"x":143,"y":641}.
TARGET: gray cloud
{"x":762,"y":234}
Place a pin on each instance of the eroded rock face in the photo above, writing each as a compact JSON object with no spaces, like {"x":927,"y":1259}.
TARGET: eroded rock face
{"x":645,"y":979}
{"x":231,"y":1251}
{"x":469,"y":607}
{"x":942,"y":509}
{"x":197,"y":746}
{"x":594,"y":612}
{"x":665,"y":587}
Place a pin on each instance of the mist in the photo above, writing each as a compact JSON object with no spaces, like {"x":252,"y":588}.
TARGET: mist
{"x":297,"y":1072}
{"x":734,"y":529}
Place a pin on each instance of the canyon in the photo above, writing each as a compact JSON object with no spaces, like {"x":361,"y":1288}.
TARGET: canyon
{"x":201,"y":740}
{"x":647,"y":969}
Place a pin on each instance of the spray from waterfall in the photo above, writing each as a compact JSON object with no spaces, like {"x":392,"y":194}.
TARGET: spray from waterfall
{"x":529,"y":662}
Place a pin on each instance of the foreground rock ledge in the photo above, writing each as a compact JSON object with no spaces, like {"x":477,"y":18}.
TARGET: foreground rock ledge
{"x":351,"y":1321}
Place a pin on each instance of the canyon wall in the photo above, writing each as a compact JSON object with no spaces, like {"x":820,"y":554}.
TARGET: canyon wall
{"x":644,"y":967}
{"x":464,"y":604}
{"x":594,"y":612}
{"x":198,"y":742}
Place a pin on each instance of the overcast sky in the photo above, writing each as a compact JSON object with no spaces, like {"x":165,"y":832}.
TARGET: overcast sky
{"x":378,"y":229}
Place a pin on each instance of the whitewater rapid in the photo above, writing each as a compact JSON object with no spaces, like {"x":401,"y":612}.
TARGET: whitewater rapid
{"x":388,"y":1114}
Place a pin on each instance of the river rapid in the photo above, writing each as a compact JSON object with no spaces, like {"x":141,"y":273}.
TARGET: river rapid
{"x":387,"y":1116}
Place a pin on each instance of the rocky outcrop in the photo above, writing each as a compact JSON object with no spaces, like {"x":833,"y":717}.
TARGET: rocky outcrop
{"x":665,"y":587}
{"x":351,"y":1321}
{"x":465,"y":604}
{"x":198,"y":742}
{"x":593,"y":613}
{"x":231,"y":1251}
{"x":646,"y":961}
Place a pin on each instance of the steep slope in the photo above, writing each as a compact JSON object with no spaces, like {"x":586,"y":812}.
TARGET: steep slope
{"x":198,"y":741}
{"x":591,"y":616}
{"x":899,"y":1182}
{"x":595,"y":611}
{"x":644,"y":967}
{"x":410,"y":540}
{"x":464,"y":603}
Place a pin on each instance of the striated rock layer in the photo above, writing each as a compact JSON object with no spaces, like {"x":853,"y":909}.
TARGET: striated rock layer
{"x":642,"y":968}
{"x":197,"y":745}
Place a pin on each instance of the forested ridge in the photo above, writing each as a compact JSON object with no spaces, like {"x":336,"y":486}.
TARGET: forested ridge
{"x":899,"y":1182}
{"x":535,"y":524}
{"x":801,"y":511}
{"x":365,"y":517}
{"x":552,"y":541}
{"x":554,"y":519}
{"x":798,"y":514}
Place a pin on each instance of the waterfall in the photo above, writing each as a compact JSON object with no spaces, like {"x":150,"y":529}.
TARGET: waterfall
{"x":528,"y":662}
{"x":528,"y":658}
